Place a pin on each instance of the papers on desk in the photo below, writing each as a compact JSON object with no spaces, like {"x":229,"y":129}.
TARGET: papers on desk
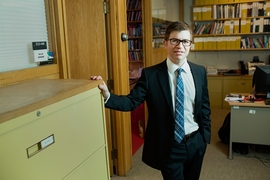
{"x":234,"y":98}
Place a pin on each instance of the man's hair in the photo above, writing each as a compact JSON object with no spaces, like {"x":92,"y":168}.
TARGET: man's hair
{"x":177,"y":26}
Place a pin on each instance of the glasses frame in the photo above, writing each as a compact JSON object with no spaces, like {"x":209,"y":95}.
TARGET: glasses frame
{"x":180,"y":41}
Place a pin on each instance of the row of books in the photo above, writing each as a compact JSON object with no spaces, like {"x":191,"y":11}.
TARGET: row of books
{"x":134,"y":30}
{"x":159,"y":29}
{"x":134,"y":4}
{"x":230,"y":42}
{"x":221,"y":43}
{"x":243,"y":10}
{"x":253,"y":25}
{"x":134,"y":16}
{"x":135,"y":55}
{"x":203,"y":2}
{"x":135,"y":44}
{"x":255,"y":42}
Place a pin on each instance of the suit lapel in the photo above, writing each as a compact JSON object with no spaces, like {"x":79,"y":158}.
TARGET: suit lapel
{"x":163,"y":80}
{"x":196,"y":79}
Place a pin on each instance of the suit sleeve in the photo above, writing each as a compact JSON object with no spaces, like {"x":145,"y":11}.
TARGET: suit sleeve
{"x":206,"y":111}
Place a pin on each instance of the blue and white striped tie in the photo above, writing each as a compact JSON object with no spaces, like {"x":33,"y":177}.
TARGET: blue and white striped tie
{"x":179,"y":108}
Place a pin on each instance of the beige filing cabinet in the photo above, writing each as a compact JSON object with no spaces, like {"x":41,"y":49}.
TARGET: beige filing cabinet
{"x":236,"y":84}
{"x":53,"y":129}
{"x":215,"y":91}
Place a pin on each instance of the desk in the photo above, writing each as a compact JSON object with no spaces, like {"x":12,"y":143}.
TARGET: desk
{"x":250,"y":123}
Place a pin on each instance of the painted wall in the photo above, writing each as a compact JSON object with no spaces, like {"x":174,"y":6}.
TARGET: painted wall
{"x":221,"y":59}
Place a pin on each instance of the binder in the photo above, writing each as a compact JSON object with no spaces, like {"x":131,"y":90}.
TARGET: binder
{"x":198,"y":2}
{"x":230,"y":42}
{"x":219,"y":42}
{"x":206,"y":12}
{"x":243,"y":23}
{"x":267,"y":8}
{"x":237,"y":42}
{"x":205,"y":43}
{"x":210,"y":42}
{"x":248,"y":25}
{"x":227,"y":25}
{"x":244,"y":12}
{"x":223,"y":42}
{"x":198,"y":43}
{"x":236,"y":27}
{"x":195,"y":13}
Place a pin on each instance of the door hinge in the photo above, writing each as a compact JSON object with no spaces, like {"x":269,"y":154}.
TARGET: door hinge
{"x":114,"y":153}
{"x":106,"y":8}
{"x":110,"y":84}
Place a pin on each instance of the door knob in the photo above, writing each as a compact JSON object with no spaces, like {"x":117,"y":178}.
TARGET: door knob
{"x":124,"y":37}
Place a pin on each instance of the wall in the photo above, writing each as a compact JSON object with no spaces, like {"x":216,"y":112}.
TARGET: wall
{"x":221,"y":59}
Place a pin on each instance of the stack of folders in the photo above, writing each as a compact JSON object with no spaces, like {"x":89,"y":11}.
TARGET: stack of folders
{"x":211,"y":70}
{"x":234,"y":98}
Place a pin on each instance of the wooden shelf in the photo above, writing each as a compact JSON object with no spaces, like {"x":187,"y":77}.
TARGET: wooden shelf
{"x":235,"y":34}
{"x":199,"y":5}
{"x":242,"y":31}
{"x":247,"y":49}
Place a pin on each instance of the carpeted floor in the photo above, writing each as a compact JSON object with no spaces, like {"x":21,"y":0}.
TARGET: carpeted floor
{"x":216,"y":165}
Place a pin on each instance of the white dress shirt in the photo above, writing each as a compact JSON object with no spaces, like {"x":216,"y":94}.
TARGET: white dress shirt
{"x":189,"y":93}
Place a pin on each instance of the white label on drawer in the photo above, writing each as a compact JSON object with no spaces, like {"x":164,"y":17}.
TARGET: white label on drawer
{"x":235,"y":107}
{"x":48,"y":141}
{"x":252,"y":111}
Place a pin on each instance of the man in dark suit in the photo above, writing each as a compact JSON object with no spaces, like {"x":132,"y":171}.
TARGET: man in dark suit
{"x":157,"y":86}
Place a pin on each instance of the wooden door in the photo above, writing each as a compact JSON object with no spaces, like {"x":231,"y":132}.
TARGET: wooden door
{"x":82,"y":26}
{"x":85,"y":38}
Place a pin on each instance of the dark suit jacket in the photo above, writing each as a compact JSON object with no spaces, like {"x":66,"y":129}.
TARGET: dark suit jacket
{"x":153,"y":86}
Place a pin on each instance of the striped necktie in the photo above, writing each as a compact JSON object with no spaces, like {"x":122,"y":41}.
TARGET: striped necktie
{"x":179,"y":108}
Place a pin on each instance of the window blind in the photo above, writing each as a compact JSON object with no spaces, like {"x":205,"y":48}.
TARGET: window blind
{"x":21,"y":23}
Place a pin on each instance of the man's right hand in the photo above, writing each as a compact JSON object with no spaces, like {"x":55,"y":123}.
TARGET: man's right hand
{"x":103,"y":87}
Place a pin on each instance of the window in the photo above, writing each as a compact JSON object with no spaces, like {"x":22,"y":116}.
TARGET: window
{"x":21,"y":23}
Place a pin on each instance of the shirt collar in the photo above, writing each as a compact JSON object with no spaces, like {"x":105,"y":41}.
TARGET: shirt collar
{"x":173,"y":67}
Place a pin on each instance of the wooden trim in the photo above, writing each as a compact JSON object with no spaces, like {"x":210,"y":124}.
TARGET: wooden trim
{"x":181,"y":10}
{"x":58,"y":37}
{"x":46,"y":71}
{"x":119,"y":73}
{"x":147,"y":32}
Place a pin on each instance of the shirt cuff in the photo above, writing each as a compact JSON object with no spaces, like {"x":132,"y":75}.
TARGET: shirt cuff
{"x":105,"y":100}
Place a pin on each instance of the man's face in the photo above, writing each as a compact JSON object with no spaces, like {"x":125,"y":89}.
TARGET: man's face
{"x":178,"y":52}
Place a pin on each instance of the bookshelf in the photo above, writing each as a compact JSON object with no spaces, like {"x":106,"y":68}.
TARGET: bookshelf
{"x":231,"y":25}
{"x":135,"y":35}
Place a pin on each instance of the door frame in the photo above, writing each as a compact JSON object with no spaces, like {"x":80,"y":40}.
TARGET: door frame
{"x":119,"y":74}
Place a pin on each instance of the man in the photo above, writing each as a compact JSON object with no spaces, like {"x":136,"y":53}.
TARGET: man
{"x":177,"y":157}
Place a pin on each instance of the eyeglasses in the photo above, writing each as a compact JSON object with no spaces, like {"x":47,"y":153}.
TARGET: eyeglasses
{"x":176,"y":42}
